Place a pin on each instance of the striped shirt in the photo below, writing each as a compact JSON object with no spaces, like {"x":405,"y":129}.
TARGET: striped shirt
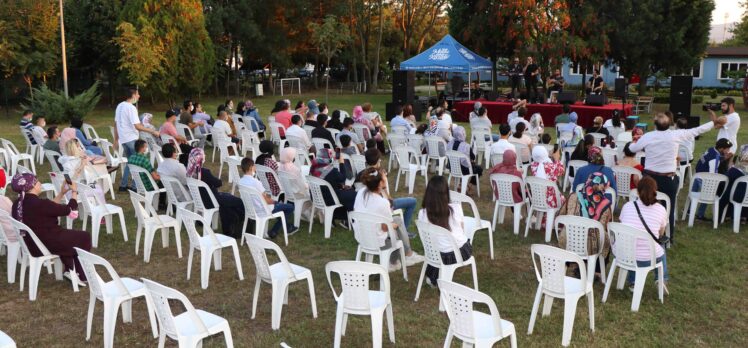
{"x":656,"y":217}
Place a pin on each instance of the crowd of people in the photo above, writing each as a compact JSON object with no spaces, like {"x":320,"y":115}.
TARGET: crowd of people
{"x":521,"y":146}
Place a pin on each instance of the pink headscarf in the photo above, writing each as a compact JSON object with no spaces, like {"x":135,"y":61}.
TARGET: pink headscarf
{"x":287,"y":155}
{"x":358,"y":113}
{"x":66,"y":135}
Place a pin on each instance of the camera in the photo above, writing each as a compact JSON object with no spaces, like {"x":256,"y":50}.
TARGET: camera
{"x":711,"y":106}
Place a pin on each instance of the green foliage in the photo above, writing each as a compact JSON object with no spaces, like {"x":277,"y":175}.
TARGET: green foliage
{"x":139,"y":60}
{"x":664,"y":98}
{"x":740,"y":31}
{"x":90,"y":26}
{"x":60,"y":110}
{"x":734,"y":78}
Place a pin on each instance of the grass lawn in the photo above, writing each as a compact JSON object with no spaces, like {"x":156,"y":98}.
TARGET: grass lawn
{"x":707,"y":305}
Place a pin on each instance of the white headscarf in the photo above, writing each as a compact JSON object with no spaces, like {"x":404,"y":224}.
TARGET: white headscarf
{"x":540,"y":155}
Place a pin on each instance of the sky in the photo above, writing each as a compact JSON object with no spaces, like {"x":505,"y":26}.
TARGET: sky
{"x":731,"y":7}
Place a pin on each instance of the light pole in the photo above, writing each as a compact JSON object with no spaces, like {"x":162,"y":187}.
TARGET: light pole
{"x":64,"y":59}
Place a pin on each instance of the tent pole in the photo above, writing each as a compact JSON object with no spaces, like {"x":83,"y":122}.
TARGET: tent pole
{"x":429,"y":84}
{"x":470,"y":84}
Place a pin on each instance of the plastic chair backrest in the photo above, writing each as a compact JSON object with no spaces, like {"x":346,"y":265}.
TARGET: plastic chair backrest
{"x":320,"y":143}
{"x":172,"y":186}
{"x":160,"y":295}
{"x":502,"y":188}
{"x":315,"y":186}
{"x":523,"y":152}
{"x":362,"y":132}
{"x":296,"y":142}
{"x":456,"y":159}
{"x":537,"y":189}
{"x":368,"y":227}
{"x":610,"y":156}
{"x":23,"y":169}
{"x":623,"y":178}
{"x":460,"y":198}
{"x":52,"y":158}
{"x":359,"y":162}
{"x":430,"y":236}
{"x":137,"y":174}
{"x":20,"y":229}
{"x":288,"y":186}
{"x":275,"y":129}
{"x":96,"y":284}
{"x":399,"y":130}
{"x":405,"y":157}
{"x":577,"y":232}
{"x":354,"y":281}
{"x":194,"y":185}
{"x":744,"y":181}
{"x":397,"y":140}
{"x":265,"y":174}
{"x":89,"y":199}
{"x":185,"y":131}
{"x":552,"y":271}
{"x":415,"y":141}
{"x":497,"y":158}
{"x":10,"y":147}
{"x":459,"y":301}
{"x":143,"y":211}
{"x":623,"y":241}
{"x":710,"y":183}
{"x":599,"y":137}
{"x":258,"y":248}
{"x":247,"y":195}
{"x":433,"y":144}
{"x":188,"y":219}
{"x":89,"y":131}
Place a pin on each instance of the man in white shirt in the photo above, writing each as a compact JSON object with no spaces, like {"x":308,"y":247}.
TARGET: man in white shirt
{"x":249,"y":180}
{"x":222,"y":126}
{"x":127,"y":126}
{"x":298,"y":131}
{"x":38,"y":129}
{"x":730,"y":130}
{"x":503,"y":144}
{"x":171,"y":167}
{"x":399,"y":120}
{"x":661,"y":147}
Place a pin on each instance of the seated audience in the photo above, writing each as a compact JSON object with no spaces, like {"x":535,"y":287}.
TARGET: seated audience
{"x":267,"y":159}
{"x":53,"y":139}
{"x":27,"y":124}
{"x":503,"y":144}
{"x":321,"y":131}
{"x":248,"y":179}
{"x":169,"y":128}
{"x":459,"y":144}
{"x":546,"y":168}
{"x":582,"y":148}
{"x":90,"y":146}
{"x":375,"y":132}
{"x":171,"y":167}
{"x":564,"y":116}
{"x":296,"y":130}
{"x":508,"y":166}
{"x":714,"y":160}
{"x":38,"y":129}
{"x":323,"y":168}
{"x":519,"y":137}
{"x":140,"y":159}
{"x":400,"y":121}
{"x":596,"y":163}
{"x":735,"y":172}
{"x":334,"y":121}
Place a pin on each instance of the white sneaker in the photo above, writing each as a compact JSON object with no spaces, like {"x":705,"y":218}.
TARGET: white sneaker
{"x":414,"y":259}
{"x":80,"y":282}
{"x":394,"y":267}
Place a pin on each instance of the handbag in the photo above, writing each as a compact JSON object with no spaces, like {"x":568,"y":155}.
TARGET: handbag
{"x":662,"y":241}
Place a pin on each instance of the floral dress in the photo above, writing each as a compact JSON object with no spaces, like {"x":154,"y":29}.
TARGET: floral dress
{"x":554,"y":171}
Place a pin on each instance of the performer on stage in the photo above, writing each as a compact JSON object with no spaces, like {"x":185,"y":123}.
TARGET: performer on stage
{"x":531,"y":80}
{"x":515,"y":76}
{"x":595,"y":85}
{"x":555,"y":82}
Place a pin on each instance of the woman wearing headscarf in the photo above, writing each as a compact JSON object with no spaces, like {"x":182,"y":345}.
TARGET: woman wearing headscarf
{"x":508,"y":165}
{"x":230,"y":207}
{"x":458,"y":144}
{"x":324,"y":168}
{"x":250,"y":110}
{"x":290,"y":170}
{"x":433,"y":130}
{"x":359,"y":116}
{"x":546,"y":168}
{"x":596,"y":164}
{"x":266,"y":159}
{"x":735,"y":172}
{"x":41,"y":215}
{"x":591,"y":202}
{"x":537,"y":128}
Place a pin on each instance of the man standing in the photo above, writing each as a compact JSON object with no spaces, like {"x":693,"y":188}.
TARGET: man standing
{"x":595,"y":85}
{"x":127,"y":125}
{"x":531,"y":80}
{"x":730,"y":130}
{"x":515,"y":76}
{"x":661,"y":146}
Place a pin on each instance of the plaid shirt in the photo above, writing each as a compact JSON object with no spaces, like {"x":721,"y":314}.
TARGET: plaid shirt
{"x":141,"y":160}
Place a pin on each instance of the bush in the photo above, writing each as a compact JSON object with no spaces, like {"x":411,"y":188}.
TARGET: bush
{"x":664,"y":98}
{"x":57,"y":109}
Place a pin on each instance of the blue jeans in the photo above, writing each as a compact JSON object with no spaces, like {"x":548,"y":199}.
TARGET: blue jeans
{"x":128,"y":149}
{"x":662,"y":258}
{"x":408,"y":205}
{"x":287,"y":210}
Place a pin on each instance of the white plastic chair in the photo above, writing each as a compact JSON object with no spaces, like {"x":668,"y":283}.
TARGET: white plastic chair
{"x":504,"y":197}
{"x":396,"y":141}
{"x":137,"y":173}
{"x":456,"y":159}
{"x":113,"y":158}
{"x":415,"y":141}
{"x":249,"y":195}
{"x":577,"y":233}
{"x":481,"y":144}
{"x":362,"y":133}
{"x":90,"y":132}
{"x":275,"y":134}
{"x":610,"y":156}
{"x":39,"y":152}
{"x":684,"y":165}
{"x":473,"y":223}
{"x":320,"y":143}
{"x":661,"y":197}
{"x":470,"y":326}
{"x":430,"y":236}
{"x":6,"y":341}
{"x":35,"y":263}
{"x":433,"y":146}
{"x":52,"y":158}
{"x":297,"y":143}
{"x":624,"y":137}
{"x":553,"y":283}
{"x":12,"y":249}
{"x":300,"y":201}
{"x":524,"y":155}
{"x":151,"y":221}
{"x":97,"y":210}
{"x":308,"y":130}
{"x":737,"y":205}
{"x":264,"y":174}
{"x":209,"y":215}
{"x":568,"y":176}
{"x":623,"y":245}
{"x":358,"y":162}
{"x":188,"y":328}
{"x":355,"y":298}
{"x":250,"y":142}
{"x":114,"y":293}
{"x":279,"y":275}
{"x":185,"y":131}
{"x":399,"y":130}
{"x":599,"y":138}
{"x":210,"y":245}
{"x":366,"y":230}
{"x":16,"y":158}
{"x":234,"y":165}
{"x":318,"y":202}
{"x":409,"y":163}
{"x":537,"y":190}
{"x":623,"y":176}
{"x":224,"y":144}
{"x":177,"y":196}
{"x":710,"y":184}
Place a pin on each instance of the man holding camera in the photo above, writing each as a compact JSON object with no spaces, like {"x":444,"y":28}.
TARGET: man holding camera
{"x":730,"y":130}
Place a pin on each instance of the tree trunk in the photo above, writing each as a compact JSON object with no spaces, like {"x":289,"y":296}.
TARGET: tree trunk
{"x":375,"y":72}
{"x":28,"y":80}
{"x":236,"y":70}
{"x":327,"y":80}
{"x":315,"y":75}
{"x":228,"y":67}
{"x":642,"y":84}
{"x":494,"y":86}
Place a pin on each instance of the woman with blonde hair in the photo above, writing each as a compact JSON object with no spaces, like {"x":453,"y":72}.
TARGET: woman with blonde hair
{"x":83,"y":168}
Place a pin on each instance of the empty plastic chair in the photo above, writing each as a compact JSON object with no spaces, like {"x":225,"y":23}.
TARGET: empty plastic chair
{"x":97,"y":210}
{"x":151,"y":221}
{"x":409,"y":164}
{"x":554,"y":283}
{"x":737,"y":205}
{"x":210,"y":245}
{"x":356,"y":298}
{"x":279,"y":275}
{"x":473,"y":223}
{"x":188,"y":328}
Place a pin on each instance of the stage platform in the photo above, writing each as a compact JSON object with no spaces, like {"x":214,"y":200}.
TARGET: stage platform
{"x":498,"y":111}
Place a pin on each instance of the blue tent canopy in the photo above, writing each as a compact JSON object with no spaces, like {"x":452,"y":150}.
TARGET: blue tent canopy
{"x":447,"y":55}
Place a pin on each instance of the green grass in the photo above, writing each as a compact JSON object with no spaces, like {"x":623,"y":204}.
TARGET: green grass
{"x":707,"y":305}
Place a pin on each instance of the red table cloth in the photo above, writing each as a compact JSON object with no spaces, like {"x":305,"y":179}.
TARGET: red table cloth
{"x":498,"y":111}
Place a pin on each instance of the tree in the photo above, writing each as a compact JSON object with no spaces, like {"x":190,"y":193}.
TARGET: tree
{"x":329,"y":37}
{"x":142,"y":52}
{"x":740,"y":31}
{"x":58,"y":108}
{"x":587,"y":41}
{"x":416,"y":18}
{"x":548,"y":33}
{"x":31,"y":46}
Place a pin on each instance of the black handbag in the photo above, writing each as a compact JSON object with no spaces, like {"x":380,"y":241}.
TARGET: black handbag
{"x":662,"y":241}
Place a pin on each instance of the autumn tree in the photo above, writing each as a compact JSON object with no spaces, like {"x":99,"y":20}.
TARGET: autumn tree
{"x":416,"y":18}
{"x":587,"y":41}
{"x":329,"y":37}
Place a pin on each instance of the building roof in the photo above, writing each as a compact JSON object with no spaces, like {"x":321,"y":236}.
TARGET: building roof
{"x":727,"y":52}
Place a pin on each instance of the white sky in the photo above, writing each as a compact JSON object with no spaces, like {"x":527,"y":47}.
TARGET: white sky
{"x":731,"y":7}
